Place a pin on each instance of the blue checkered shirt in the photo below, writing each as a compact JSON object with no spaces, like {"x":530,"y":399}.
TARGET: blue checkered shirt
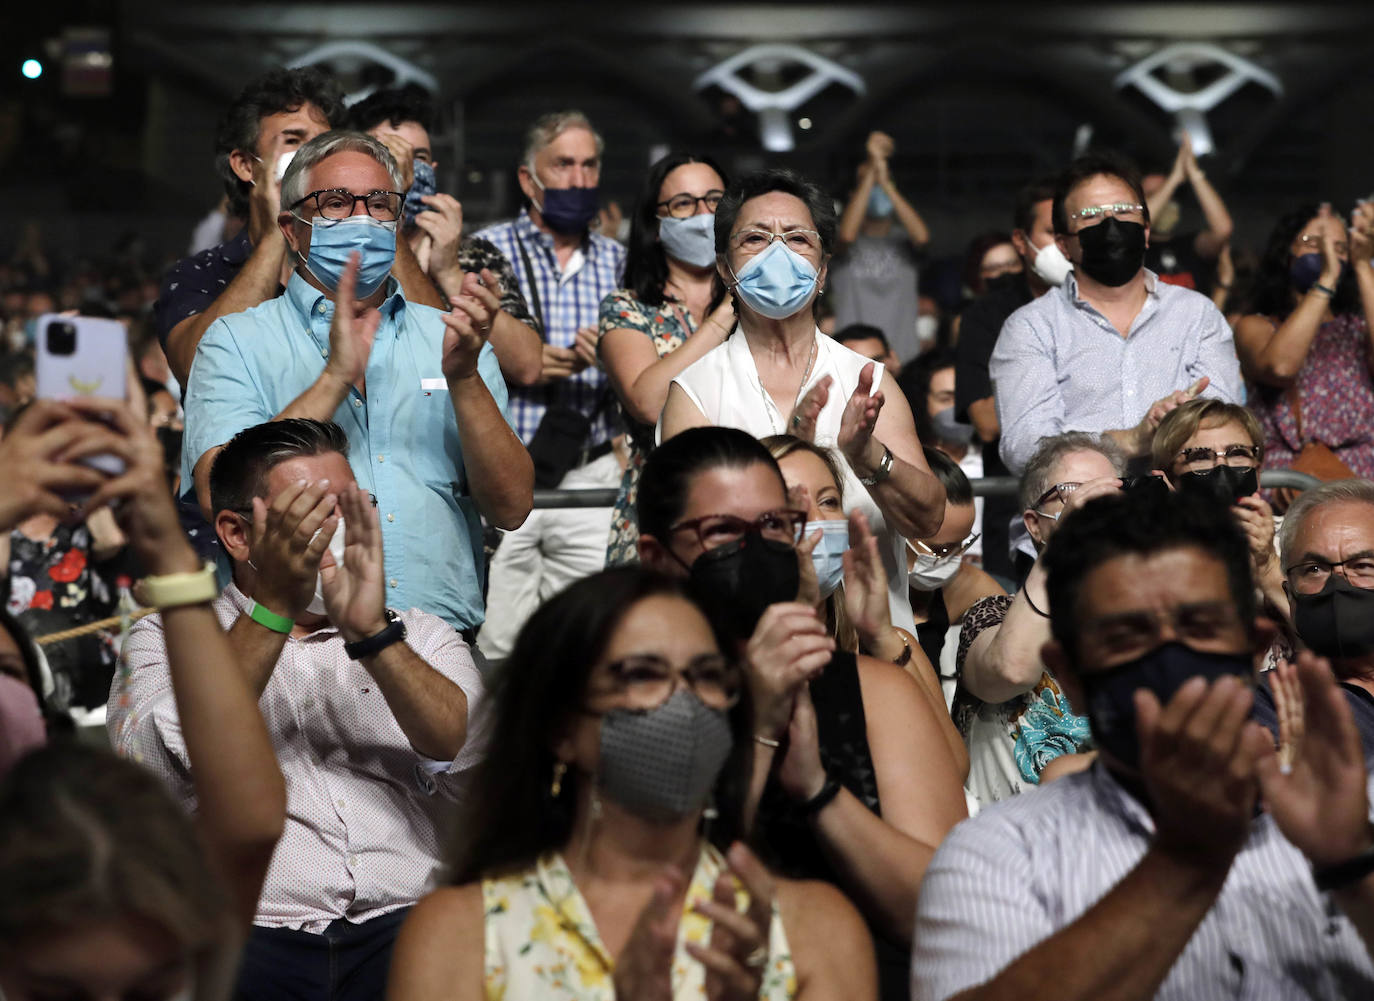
{"x":566,"y":301}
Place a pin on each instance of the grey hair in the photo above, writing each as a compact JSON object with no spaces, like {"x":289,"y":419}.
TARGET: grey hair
{"x":326,"y":144}
{"x":1309,"y":501}
{"x":547,"y":128}
{"x":1037,"y":478}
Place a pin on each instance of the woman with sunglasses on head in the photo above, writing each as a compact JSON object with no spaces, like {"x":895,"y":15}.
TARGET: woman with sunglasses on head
{"x":850,"y":581}
{"x":1308,"y":347}
{"x":774,"y":236}
{"x":600,"y":858}
{"x":668,"y":315}
{"x":854,"y":780}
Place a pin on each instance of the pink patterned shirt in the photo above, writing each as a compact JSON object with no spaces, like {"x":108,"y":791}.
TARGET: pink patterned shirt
{"x":366,"y":815}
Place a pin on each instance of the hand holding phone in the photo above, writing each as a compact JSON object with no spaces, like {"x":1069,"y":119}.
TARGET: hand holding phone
{"x":80,"y":357}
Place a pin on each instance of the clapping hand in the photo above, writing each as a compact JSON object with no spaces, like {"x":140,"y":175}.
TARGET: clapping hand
{"x":443,"y":229}
{"x":808,"y":410}
{"x":1161,"y":408}
{"x":286,"y":542}
{"x":865,"y":583}
{"x":469,"y":326}
{"x":737,"y":953}
{"x":860,"y":417}
{"x":352,"y":331}
{"x":789,"y":647}
{"x":354,"y":597}
{"x":644,"y":968}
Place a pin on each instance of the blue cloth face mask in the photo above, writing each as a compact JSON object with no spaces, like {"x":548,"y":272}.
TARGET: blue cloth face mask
{"x":568,"y":210}
{"x":425,"y":183}
{"x":332,"y":243}
{"x":1305,"y":269}
{"x":691,"y":240}
{"x":828,"y":556}
{"x":776,"y":283}
{"x":879,"y":203}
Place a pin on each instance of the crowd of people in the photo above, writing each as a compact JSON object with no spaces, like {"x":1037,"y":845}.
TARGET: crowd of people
{"x":802,"y":715}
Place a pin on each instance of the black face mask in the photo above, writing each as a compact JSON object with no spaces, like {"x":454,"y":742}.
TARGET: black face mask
{"x":740,"y":580}
{"x":1337,"y":621}
{"x":1113,"y":251}
{"x":1223,"y":485}
{"x":1111,"y":694}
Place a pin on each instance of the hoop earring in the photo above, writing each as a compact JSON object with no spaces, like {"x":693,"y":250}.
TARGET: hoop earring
{"x":560,"y":768}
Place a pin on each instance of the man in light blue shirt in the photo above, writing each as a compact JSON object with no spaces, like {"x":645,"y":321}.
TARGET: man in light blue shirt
{"x":1155,"y":874}
{"x":1113,"y":349}
{"x":418,"y":392}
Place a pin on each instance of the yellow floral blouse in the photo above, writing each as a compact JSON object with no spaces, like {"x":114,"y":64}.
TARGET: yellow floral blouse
{"x":541,"y":941}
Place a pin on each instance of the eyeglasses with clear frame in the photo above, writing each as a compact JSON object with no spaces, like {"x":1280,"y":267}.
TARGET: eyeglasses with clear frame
{"x":754,"y":241}
{"x":648,"y":680}
{"x":1200,"y":457}
{"x":1130,"y":212}
{"x":1310,"y":576}
{"x":339,"y":203}
{"x":1313,"y":244}
{"x":683,"y":205}
{"x":714,"y":530}
{"x":943,"y":554}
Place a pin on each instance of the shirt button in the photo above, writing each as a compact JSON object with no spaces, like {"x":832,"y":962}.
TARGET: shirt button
{"x":341,"y":804}
{"x":324,"y":352}
{"x":381,"y":458}
{"x":392,"y":582}
{"x":357,"y":402}
{"x":352,"y":860}
{"x":391,"y":517}
{"x":320,"y":309}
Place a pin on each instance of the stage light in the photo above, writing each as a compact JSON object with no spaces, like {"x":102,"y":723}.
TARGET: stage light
{"x":32,"y":69}
{"x":803,"y":123}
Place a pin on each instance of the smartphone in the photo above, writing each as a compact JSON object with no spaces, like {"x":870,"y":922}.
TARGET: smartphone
{"x":82,"y":356}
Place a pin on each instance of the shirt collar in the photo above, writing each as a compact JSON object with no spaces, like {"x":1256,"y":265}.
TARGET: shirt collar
{"x":306,"y":299}
{"x":527,"y":230}
{"x":245,"y":604}
{"x":1070,"y":287}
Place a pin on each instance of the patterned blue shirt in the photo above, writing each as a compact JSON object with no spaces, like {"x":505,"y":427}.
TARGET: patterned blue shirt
{"x":404,"y":434}
{"x":1027,"y":867}
{"x":1059,"y":365}
{"x":567,"y":300}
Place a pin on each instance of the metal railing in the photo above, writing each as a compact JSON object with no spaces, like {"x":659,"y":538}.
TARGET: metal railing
{"x":988,"y":486}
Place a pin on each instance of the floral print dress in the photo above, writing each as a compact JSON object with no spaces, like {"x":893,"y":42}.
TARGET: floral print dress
{"x":541,"y":941}
{"x":667,"y":326}
{"x":1335,"y":395}
{"x":55,"y":585}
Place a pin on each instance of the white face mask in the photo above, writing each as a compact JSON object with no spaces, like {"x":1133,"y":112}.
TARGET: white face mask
{"x":1050,"y":263}
{"x":336,"y":549}
{"x":927,"y":327}
{"x":928,"y":574}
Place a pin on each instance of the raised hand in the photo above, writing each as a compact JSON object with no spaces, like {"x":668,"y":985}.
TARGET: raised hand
{"x":39,"y":457}
{"x":469,"y":326}
{"x":789,"y":647}
{"x":865,"y":583}
{"x":1197,"y":759}
{"x":354,"y":594}
{"x":1256,"y":517}
{"x":1362,"y":233}
{"x":1331,"y":261}
{"x":1286,"y":689}
{"x":1320,"y":801}
{"x":352,"y":330}
{"x":264,"y":200}
{"x":801,"y":773}
{"x":737,"y":953}
{"x":405,"y":158}
{"x":802,"y":423}
{"x":644,"y":968}
{"x":860,"y":417}
{"x":1162,"y":407}
{"x":879,"y":146}
{"x":444,"y":228}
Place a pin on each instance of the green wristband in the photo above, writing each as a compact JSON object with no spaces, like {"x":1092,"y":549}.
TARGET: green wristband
{"x":270,"y":620}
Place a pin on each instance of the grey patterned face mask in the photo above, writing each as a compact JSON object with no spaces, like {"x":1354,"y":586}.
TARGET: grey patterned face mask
{"x":660,"y":764}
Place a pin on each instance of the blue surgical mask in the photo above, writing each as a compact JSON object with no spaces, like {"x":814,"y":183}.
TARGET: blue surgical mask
{"x":424,"y":183}
{"x":776,"y":283}
{"x":691,"y":240}
{"x":332,"y":242}
{"x":879,"y":203}
{"x":828,"y":556}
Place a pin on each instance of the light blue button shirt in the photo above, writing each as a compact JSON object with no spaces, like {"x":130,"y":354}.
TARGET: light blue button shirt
{"x":1059,"y":365}
{"x":403,"y":434}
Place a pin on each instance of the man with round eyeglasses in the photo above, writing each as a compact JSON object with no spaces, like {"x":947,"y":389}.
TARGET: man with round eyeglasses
{"x":1113,"y":349}
{"x":1327,"y":549}
{"x":418,"y":392}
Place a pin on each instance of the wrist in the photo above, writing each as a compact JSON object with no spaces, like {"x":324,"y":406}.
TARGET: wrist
{"x":170,"y":559}
{"x":885,"y":644}
{"x":460,"y":379}
{"x":354,"y":634}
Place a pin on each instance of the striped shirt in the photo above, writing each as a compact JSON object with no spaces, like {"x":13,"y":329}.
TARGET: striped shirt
{"x":563,"y":300}
{"x":365,"y":813}
{"x":1059,"y":365}
{"x":1029,"y":866}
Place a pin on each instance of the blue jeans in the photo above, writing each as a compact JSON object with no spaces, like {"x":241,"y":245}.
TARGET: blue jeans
{"x":348,"y":962}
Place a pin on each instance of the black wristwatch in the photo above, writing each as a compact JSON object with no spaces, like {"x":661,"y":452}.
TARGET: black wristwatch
{"x":370,"y":646}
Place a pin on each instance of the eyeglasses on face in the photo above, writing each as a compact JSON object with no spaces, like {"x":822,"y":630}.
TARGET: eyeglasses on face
{"x":755,"y":241}
{"x":713,"y":530}
{"x":945,"y":553}
{"x":338,"y":203}
{"x":1311,"y":576}
{"x":649,"y":680}
{"x":1200,"y":457}
{"x":1060,"y":490}
{"x":1127,"y":211}
{"x":682,"y":205}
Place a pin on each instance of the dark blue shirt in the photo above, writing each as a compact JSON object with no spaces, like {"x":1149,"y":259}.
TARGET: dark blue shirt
{"x":193,"y":283}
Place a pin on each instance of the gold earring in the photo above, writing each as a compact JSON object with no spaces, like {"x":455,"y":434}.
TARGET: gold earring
{"x":560,"y":768}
